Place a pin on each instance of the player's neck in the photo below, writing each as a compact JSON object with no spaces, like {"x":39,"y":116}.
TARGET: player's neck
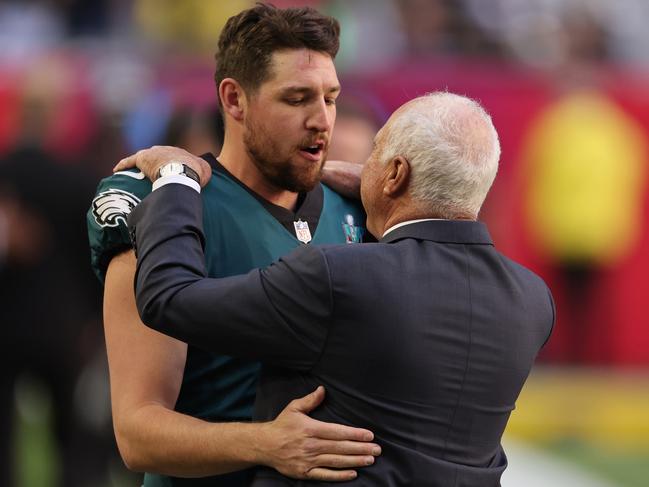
{"x":237,"y":161}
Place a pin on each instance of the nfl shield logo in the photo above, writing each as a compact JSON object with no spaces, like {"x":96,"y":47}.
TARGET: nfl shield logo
{"x":302,"y":231}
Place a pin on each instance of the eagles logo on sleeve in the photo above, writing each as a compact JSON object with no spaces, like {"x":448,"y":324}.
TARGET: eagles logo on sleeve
{"x":113,"y":206}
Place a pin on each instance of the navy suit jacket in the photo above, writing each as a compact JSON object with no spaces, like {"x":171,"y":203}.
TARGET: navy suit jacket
{"x":425,"y":338}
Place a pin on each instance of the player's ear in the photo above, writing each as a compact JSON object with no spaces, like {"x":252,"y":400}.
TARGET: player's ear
{"x":232,"y":98}
{"x":397,"y":176}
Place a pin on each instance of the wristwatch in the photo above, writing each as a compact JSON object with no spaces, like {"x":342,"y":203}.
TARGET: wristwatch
{"x":178,"y":168}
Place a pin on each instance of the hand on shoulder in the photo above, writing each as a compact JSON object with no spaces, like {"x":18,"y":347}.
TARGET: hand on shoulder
{"x":149,"y":161}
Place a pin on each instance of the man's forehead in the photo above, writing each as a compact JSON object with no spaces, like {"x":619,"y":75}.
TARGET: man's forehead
{"x":302,"y":57}
{"x":298,"y":68}
{"x":380,"y":135}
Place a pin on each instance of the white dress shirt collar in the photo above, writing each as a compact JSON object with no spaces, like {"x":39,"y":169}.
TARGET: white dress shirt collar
{"x":407,"y":222}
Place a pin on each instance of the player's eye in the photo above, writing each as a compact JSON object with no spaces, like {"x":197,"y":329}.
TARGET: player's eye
{"x":330,"y":101}
{"x":295,"y":101}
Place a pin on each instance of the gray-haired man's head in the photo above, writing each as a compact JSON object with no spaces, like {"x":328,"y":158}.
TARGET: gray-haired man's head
{"x":451,"y":149}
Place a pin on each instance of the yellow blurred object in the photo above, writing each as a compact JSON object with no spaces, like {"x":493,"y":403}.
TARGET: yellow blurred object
{"x":602,"y":406}
{"x":194,"y":23}
{"x":585,"y":160}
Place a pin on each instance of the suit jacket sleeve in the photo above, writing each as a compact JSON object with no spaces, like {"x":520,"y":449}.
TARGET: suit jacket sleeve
{"x":278,"y":314}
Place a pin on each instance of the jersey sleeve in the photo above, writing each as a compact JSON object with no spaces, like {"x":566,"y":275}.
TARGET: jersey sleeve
{"x":114,"y":200}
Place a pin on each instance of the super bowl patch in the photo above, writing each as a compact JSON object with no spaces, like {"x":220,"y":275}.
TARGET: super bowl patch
{"x":353,"y":234}
{"x":113,"y":206}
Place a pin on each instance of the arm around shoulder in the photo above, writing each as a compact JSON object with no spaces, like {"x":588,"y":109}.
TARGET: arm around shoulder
{"x":146,"y":371}
{"x":279,"y":314}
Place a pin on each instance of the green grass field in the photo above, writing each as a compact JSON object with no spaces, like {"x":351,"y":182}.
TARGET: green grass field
{"x":623,"y":468}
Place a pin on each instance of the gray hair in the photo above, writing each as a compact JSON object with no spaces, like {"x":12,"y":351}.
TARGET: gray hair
{"x":453,"y":150}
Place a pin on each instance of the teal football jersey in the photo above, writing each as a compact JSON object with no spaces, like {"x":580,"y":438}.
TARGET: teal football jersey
{"x":243,"y":231}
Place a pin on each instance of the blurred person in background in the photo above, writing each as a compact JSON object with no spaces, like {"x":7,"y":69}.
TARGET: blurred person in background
{"x":196,"y":130}
{"x":356,"y":127}
{"x":277,"y":88}
{"x":48,"y":306}
{"x":443,"y":28}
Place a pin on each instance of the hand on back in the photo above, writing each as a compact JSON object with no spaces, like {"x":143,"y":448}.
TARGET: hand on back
{"x":301,"y":447}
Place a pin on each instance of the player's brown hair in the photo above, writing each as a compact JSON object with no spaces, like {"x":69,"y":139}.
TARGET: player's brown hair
{"x":250,"y":38}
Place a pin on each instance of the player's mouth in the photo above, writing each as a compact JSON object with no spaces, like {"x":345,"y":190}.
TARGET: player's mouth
{"x":313,"y":152}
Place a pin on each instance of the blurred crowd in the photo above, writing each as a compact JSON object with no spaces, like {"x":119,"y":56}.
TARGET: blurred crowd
{"x":83,"y":83}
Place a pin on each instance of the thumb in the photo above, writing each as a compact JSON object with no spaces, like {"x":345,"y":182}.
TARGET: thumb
{"x":309,"y":402}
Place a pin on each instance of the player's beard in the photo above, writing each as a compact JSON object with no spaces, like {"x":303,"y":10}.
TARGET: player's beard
{"x":277,"y":166}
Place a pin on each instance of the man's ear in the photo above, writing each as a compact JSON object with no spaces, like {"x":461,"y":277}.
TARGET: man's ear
{"x":397,"y":177}
{"x":233,"y":98}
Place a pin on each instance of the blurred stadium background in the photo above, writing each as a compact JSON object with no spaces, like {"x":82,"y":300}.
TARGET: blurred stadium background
{"x":82,"y":83}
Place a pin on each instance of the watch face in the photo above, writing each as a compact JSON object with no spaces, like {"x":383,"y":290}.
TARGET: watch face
{"x":171,"y":168}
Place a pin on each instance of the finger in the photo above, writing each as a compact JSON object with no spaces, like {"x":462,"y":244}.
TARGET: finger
{"x":344,"y":166}
{"x":325,"y":474}
{"x":343,"y":461}
{"x":341,"y":163}
{"x":347,"y":447}
{"x":207,"y":174}
{"x":332,"y":431}
{"x":125,"y":163}
{"x":309,"y":402}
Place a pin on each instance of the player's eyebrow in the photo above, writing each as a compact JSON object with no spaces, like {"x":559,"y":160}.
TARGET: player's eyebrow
{"x":289,"y":90}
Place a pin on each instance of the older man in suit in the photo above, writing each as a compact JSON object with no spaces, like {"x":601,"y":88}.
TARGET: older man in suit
{"x":425,"y":337}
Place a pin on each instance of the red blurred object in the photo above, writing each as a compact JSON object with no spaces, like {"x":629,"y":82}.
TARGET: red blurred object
{"x":9,"y":114}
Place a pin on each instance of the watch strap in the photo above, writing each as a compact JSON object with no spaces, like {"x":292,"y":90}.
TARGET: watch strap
{"x":186,"y":171}
{"x":190,"y":173}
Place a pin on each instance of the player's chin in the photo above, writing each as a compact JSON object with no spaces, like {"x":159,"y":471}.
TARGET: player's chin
{"x":305,"y":179}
